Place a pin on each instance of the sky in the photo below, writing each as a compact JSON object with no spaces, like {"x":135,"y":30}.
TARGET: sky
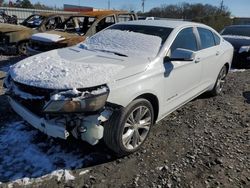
{"x":239,"y":8}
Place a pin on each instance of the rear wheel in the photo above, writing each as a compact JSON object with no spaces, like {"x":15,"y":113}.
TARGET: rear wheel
{"x":22,"y":48}
{"x":219,"y":82}
{"x":129,"y":127}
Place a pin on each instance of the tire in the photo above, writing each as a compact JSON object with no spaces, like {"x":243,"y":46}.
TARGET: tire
{"x":22,"y":48}
{"x":125,"y":131}
{"x":219,"y":82}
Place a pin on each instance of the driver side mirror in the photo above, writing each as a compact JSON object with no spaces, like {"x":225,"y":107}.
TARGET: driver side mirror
{"x":180,"y":54}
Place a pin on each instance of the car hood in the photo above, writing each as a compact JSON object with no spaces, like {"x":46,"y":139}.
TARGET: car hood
{"x":6,"y":28}
{"x":58,"y":37}
{"x":237,"y":41}
{"x":75,"y":68}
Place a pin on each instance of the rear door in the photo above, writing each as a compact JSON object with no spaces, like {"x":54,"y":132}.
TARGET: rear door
{"x":209,"y":52}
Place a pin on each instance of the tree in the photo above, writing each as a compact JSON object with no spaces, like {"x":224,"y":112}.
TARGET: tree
{"x":213,"y":16}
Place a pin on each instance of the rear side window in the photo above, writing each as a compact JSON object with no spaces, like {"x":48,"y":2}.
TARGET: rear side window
{"x":207,"y":38}
{"x":217,"y":39}
{"x":185,"y":39}
{"x":125,"y":17}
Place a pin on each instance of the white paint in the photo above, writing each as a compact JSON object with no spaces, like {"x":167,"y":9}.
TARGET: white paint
{"x":47,"y":37}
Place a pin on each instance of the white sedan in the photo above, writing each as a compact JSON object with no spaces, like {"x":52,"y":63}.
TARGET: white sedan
{"x":119,"y":82}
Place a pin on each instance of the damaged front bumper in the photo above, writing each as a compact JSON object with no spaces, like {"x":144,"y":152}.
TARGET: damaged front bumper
{"x":80,"y":114}
{"x":87,"y":128}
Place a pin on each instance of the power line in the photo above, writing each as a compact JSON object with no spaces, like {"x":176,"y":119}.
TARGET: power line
{"x":143,"y":5}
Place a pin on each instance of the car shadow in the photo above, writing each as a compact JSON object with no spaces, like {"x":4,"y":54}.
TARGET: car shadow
{"x":28,"y":153}
{"x":246,"y":95}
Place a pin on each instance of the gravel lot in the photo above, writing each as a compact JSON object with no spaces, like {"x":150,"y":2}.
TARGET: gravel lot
{"x":206,"y":143}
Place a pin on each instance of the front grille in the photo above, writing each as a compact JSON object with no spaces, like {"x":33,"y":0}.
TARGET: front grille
{"x":45,"y":46}
{"x":34,"y":105}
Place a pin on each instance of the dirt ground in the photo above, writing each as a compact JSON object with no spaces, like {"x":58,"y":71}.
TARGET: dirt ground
{"x":206,"y":143}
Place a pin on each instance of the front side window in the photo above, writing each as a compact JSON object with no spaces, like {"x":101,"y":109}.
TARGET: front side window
{"x":186,"y":40}
{"x":125,"y":17}
{"x":207,"y":38}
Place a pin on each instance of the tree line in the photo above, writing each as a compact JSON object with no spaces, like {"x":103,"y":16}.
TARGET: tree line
{"x":216,"y":17}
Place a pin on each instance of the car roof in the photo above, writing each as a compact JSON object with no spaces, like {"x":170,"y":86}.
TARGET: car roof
{"x":100,"y":13}
{"x":164,"y":23}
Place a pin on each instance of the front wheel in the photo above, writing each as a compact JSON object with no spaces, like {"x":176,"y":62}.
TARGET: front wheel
{"x":219,"y":82}
{"x":128,"y":128}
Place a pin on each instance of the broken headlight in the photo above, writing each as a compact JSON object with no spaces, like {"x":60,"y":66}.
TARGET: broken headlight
{"x":76,"y":102}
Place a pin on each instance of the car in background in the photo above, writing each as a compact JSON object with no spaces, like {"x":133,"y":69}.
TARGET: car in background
{"x":119,"y":82}
{"x":239,"y":37}
{"x":14,"y":38}
{"x":76,"y":29}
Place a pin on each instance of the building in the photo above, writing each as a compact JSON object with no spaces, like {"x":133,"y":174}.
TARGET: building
{"x":75,"y":8}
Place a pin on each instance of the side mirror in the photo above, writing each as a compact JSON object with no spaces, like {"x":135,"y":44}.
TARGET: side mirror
{"x":180,"y":54}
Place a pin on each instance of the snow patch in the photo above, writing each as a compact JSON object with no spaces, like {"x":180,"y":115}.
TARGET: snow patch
{"x":49,"y":70}
{"x":47,"y":37}
{"x":26,"y":159}
{"x":236,"y":37}
{"x":237,"y":70}
{"x":83,"y":172}
{"x":124,"y":42}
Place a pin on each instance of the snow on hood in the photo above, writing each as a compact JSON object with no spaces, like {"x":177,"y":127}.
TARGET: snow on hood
{"x":236,"y":37}
{"x":124,"y":42}
{"x":47,"y":37}
{"x":51,"y":70}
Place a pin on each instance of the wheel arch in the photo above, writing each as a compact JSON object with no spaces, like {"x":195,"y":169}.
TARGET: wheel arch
{"x":154,"y":102}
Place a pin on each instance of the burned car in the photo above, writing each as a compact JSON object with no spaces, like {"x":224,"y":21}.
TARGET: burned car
{"x":76,"y":29}
{"x":14,"y":38}
{"x":119,"y":82}
{"x":239,"y":37}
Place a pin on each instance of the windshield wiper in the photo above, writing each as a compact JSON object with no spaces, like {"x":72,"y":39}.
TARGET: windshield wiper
{"x":116,"y":53}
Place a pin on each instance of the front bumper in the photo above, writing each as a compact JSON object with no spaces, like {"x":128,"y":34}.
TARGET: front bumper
{"x":49,"y":127}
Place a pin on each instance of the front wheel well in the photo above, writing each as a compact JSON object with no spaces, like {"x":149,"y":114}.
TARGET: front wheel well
{"x":227,"y":65}
{"x":154,"y":102}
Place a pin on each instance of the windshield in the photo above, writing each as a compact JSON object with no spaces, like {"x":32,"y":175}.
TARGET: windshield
{"x":127,"y":40}
{"x":77,"y":24}
{"x":33,"y":21}
{"x":238,"y":31}
{"x":162,"y":32}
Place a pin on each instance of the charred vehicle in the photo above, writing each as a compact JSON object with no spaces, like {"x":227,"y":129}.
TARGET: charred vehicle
{"x":119,"y":82}
{"x":14,"y":38}
{"x":76,"y":29}
{"x":7,"y":19}
{"x":239,"y":37}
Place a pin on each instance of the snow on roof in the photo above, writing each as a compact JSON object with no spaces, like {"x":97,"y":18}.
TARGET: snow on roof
{"x":124,"y":42}
{"x":163,"y":23}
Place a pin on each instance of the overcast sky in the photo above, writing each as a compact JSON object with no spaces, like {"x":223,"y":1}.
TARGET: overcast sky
{"x":237,"y":7}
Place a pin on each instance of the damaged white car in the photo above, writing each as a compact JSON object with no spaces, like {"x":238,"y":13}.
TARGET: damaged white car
{"x":119,"y":82}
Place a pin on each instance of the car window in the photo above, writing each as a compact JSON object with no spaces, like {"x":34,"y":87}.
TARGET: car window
{"x":105,"y":22}
{"x":207,"y":38}
{"x":217,"y":39}
{"x":125,"y":17}
{"x":237,"y":30}
{"x":52,"y":23}
{"x":185,"y":39}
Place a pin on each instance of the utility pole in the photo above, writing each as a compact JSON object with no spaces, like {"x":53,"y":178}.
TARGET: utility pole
{"x":109,"y":4}
{"x":222,"y":5}
{"x":143,"y":5}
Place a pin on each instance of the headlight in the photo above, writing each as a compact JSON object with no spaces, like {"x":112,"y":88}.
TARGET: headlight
{"x":90,"y":103}
{"x":244,"y":49}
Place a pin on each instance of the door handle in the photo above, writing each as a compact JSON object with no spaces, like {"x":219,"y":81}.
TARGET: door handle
{"x":217,"y":53}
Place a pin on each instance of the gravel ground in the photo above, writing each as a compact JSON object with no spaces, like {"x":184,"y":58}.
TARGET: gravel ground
{"x":206,"y":143}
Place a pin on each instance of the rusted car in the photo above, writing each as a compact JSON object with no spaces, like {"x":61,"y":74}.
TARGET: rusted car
{"x":14,"y":38}
{"x":76,"y":29}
